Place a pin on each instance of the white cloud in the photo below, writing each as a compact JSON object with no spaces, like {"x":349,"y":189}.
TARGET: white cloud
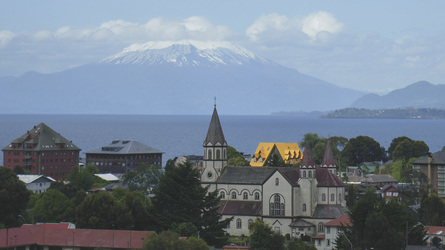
{"x":320,"y":22}
{"x":5,"y":37}
{"x":267,"y":24}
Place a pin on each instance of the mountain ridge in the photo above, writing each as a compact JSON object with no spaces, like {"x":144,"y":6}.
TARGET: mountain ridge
{"x":243,"y":83}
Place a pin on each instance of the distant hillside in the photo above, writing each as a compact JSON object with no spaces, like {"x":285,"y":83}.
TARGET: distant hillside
{"x":418,"y":95}
{"x":173,"y":78}
{"x":408,"y":113}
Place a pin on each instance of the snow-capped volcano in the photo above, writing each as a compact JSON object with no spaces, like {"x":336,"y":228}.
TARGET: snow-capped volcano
{"x":184,"y":53}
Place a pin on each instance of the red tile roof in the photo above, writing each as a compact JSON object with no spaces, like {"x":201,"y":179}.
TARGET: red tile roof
{"x":308,"y":160}
{"x":343,"y":221}
{"x":48,"y":236}
{"x":320,"y":236}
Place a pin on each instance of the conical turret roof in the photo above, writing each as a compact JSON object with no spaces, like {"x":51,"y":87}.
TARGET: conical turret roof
{"x":328,"y":158}
{"x":308,"y":160}
{"x":215,"y":133}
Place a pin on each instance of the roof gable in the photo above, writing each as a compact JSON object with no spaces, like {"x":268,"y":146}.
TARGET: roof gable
{"x":327,"y":179}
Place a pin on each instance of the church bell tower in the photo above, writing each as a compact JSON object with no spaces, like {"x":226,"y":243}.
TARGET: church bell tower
{"x":215,"y":151}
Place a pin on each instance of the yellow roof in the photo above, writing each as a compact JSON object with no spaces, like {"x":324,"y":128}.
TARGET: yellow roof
{"x":289,"y":152}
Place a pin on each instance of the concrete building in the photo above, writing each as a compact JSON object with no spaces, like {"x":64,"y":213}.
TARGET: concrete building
{"x":295,"y":201}
{"x":42,"y":151}
{"x":121,"y":156}
{"x":433,"y":167}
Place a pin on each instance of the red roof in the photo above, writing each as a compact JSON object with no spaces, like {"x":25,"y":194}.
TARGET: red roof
{"x":328,"y":158}
{"x":321,"y":236}
{"x":435,"y":230}
{"x":327,"y":179}
{"x":48,"y":236}
{"x":308,"y":160}
{"x":340,"y":221}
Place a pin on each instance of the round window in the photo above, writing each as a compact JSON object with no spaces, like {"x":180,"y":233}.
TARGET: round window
{"x":209,"y":175}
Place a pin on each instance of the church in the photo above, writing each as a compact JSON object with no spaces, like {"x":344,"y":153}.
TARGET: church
{"x":294,"y":201}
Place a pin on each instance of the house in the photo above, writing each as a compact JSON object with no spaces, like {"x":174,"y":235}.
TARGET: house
{"x":332,"y":229}
{"x":294,"y":201}
{"x":36,"y":183}
{"x":54,"y":236}
{"x":266,"y":153}
{"x":121,"y":156}
{"x":379,"y":180}
{"x":370,"y":167}
{"x":433,"y":167}
{"x":42,"y":151}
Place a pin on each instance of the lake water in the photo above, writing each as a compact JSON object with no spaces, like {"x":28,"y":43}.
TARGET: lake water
{"x":178,"y":135}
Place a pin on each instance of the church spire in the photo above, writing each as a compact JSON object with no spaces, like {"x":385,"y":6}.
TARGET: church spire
{"x":215,"y":133}
{"x":308,"y":160}
{"x":328,"y":158}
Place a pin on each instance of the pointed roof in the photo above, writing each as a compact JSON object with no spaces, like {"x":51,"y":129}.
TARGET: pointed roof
{"x":308,"y":160}
{"x":215,"y":133}
{"x":42,"y":137}
{"x":328,"y":158}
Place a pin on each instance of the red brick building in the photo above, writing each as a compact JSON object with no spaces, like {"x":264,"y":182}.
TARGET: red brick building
{"x":42,"y":151}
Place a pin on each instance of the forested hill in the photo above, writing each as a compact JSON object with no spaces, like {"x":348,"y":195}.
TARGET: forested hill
{"x":407,"y":113}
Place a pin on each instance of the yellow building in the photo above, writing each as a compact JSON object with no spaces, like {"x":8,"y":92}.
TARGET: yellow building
{"x":290,"y":153}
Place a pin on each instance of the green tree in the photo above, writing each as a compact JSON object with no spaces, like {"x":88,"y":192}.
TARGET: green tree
{"x":432,"y":210}
{"x":298,"y":244}
{"x":14,"y":198}
{"x":168,"y":240}
{"x":395,"y":142}
{"x":380,"y":224}
{"x":53,"y":206}
{"x":361,"y":149}
{"x":262,"y":237}
{"x":235,"y":158}
{"x":144,"y":178}
{"x":19,"y":170}
{"x":185,"y":229}
{"x":408,"y":148}
{"x":102,"y":211}
{"x":179,"y":198}
{"x":82,"y":178}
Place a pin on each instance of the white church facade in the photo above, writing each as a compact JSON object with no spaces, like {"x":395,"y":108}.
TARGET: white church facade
{"x":294,"y":201}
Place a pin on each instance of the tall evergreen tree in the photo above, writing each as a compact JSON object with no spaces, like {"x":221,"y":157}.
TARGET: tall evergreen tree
{"x":179,"y":198}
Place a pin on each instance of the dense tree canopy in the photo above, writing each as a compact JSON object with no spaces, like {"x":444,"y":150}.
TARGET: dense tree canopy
{"x":82,"y":178}
{"x":432,"y":210}
{"x":168,"y":240}
{"x":380,"y":224}
{"x":53,"y":206}
{"x":361,"y":149}
{"x":179,"y":198}
{"x":14,"y":198}
{"x":235,"y":158}
{"x":262,"y":237}
{"x":144,"y":178}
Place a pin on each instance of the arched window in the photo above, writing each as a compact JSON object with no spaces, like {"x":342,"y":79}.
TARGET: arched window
{"x":249,"y":222}
{"x":257,"y":196}
{"x":245,"y":196}
{"x":332,"y":197}
{"x":339,"y":197}
{"x":304,"y":174}
{"x":222,"y":194}
{"x":218,"y":154}
{"x":304,"y":207}
{"x":320,"y":227}
{"x":310,"y":174}
{"x":238,"y":223}
{"x":277,"y":206}
{"x":277,"y":181}
{"x":323,"y":197}
{"x":233,"y":195}
{"x":209,"y":154}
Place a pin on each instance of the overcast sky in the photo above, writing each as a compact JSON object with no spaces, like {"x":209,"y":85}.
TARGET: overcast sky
{"x":374,"y":46}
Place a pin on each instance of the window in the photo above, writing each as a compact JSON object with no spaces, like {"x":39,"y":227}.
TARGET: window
{"x":209,"y":154}
{"x":257,"y":196}
{"x":218,"y":154}
{"x":238,"y":223}
{"x":277,"y":207}
{"x":328,"y":230}
{"x":304,"y":174}
{"x":233,"y":195}
{"x":323,"y":197}
{"x":222,"y":194}
{"x":339,"y":197}
{"x":329,"y":242}
{"x":245,"y":196}
{"x":249,"y":222}
{"x":332,"y":197}
{"x":320,"y":227}
{"x":310,"y":174}
{"x":277,"y":182}
{"x":304,"y":207}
